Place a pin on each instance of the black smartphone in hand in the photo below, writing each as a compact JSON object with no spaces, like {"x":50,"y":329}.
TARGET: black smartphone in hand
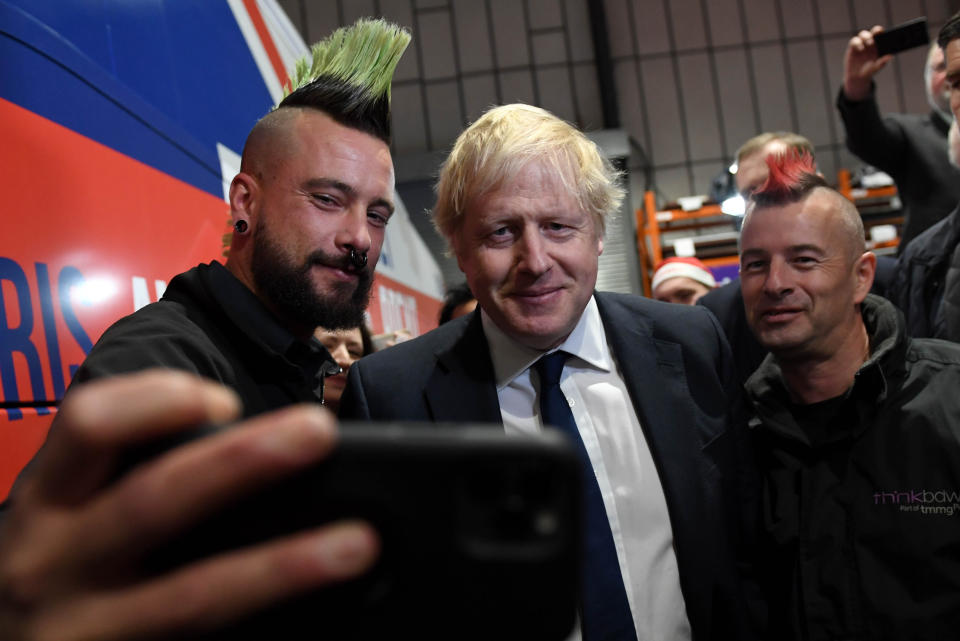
{"x":908,"y":35}
{"x":480,"y":535}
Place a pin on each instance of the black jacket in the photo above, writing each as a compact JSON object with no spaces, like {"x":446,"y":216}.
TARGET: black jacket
{"x":210,"y":324}
{"x":861,"y":494}
{"x":926,"y":285}
{"x":913,"y":150}
{"x":726,"y":303}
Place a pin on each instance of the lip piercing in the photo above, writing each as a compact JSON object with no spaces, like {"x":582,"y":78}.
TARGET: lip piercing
{"x":359,"y":259}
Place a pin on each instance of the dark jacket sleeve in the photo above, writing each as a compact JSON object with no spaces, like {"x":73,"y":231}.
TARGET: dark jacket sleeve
{"x":745,"y":496}
{"x":157,"y":336}
{"x":876,"y":140}
{"x":726,"y":303}
{"x":918,"y":285}
{"x":951,"y":299}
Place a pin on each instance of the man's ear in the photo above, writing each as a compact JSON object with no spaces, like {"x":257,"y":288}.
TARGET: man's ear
{"x":864,"y":269}
{"x":244,"y":196}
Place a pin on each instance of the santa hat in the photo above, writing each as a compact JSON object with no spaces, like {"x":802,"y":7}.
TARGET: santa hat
{"x":681,"y":266}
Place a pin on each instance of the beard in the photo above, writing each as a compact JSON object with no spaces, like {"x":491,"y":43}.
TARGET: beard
{"x":289,"y":288}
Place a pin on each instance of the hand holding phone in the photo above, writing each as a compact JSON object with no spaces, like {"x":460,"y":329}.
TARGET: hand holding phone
{"x":73,"y":539}
{"x":871,"y":50}
{"x":479,"y":531}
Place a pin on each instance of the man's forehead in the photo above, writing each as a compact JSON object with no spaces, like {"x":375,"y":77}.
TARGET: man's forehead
{"x":679,"y":282}
{"x":753,"y":167}
{"x":760,"y":155}
{"x":320,"y":127}
{"x":316,"y":137}
{"x":534,"y":186}
{"x":750,"y":174}
{"x":342,"y":334}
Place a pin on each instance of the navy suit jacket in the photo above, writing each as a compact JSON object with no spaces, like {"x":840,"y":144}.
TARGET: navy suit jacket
{"x":680,"y":375}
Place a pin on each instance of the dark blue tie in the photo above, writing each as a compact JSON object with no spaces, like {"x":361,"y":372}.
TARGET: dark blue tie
{"x":606,"y":611}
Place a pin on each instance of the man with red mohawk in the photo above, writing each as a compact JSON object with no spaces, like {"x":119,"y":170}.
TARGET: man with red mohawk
{"x":857,"y":428}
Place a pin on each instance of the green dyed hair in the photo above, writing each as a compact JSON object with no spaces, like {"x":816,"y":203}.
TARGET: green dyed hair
{"x":365,"y":54}
{"x":348,"y":75}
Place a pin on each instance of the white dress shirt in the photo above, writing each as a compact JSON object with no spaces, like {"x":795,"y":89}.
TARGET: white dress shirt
{"x":628,"y":479}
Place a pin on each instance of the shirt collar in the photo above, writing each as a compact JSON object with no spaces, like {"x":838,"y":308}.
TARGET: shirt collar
{"x":587,"y":342}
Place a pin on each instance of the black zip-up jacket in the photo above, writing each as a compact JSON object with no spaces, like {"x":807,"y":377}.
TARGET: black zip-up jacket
{"x":926,"y":286}
{"x":210,"y":324}
{"x":861,"y":494}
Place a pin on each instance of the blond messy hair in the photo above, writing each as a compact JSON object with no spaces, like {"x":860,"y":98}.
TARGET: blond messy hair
{"x":502,"y":142}
{"x":790,"y":140}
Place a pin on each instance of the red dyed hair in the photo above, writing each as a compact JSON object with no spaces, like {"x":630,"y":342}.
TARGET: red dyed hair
{"x":792,"y":176}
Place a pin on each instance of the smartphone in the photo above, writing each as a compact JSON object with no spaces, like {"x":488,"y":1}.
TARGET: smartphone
{"x":908,"y":35}
{"x":480,"y":536}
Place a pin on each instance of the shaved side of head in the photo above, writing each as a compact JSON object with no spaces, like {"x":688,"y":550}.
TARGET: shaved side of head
{"x":270,"y":140}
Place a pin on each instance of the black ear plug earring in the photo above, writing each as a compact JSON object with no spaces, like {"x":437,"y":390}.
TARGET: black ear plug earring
{"x":240,"y":226}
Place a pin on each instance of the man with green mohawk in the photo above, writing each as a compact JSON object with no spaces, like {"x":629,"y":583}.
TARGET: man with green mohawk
{"x":309,"y":208}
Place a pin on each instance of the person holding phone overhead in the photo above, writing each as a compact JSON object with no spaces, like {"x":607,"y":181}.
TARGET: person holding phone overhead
{"x":911,"y":148}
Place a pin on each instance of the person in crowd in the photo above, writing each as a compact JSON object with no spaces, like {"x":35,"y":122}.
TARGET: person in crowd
{"x":856,"y":428}
{"x":752,"y":157}
{"x":309,"y":207}
{"x":926,"y":284}
{"x":457,"y":302}
{"x":911,"y":148}
{"x":645,"y":390}
{"x":726,"y":301}
{"x":681,"y":280}
{"x":346,"y":346}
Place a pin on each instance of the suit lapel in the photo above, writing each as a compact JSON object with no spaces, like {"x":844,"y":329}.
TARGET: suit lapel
{"x":461,"y":387}
{"x":654,"y":374}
